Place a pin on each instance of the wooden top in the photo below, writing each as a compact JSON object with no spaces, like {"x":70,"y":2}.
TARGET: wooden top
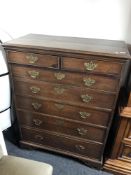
{"x":71,"y":44}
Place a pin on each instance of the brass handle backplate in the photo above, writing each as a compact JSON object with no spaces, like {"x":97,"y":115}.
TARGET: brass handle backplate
{"x":82,"y":131}
{"x":32,"y":58}
{"x":86,"y":98}
{"x":39,"y":137}
{"x":80,"y":147}
{"x":33,"y":74}
{"x":84,"y":115}
{"x":34,"y":89}
{"x":89,"y":82}
{"x":59,"y":76}
{"x":36,"y":105}
{"x":37,"y":122}
{"x":59,"y":106}
{"x":59,"y":90}
{"x":90,"y":66}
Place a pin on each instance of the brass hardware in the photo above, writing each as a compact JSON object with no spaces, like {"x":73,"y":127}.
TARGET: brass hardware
{"x":59,"y":90}
{"x":59,"y":76}
{"x":32,"y":58}
{"x":90,"y":66}
{"x":89,"y":82}
{"x":37,"y":122}
{"x":84,"y":115}
{"x":80,"y":147}
{"x":33,"y":74}
{"x":82,"y":131}
{"x":34,"y":89}
{"x":59,"y":106}
{"x":39,"y":137}
{"x":86,"y":98}
{"x":36,"y":105}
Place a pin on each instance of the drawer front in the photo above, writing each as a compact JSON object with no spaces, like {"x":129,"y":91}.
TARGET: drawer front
{"x":60,"y":125}
{"x":33,"y":59}
{"x":91,"y":65}
{"x":65,"y":111}
{"x":78,"y":79}
{"x":72,"y":94}
{"x":63,"y":143}
{"x":126,"y":152}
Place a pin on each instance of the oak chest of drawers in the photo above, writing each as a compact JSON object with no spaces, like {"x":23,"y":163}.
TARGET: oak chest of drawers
{"x":65,"y":92}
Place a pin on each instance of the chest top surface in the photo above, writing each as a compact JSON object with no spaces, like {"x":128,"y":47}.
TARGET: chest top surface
{"x":71,"y":44}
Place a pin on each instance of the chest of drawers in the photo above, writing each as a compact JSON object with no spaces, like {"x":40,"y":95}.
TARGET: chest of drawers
{"x":65,"y":92}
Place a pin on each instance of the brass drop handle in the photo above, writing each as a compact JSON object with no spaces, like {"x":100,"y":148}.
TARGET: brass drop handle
{"x":34,"y":89}
{"x":59,"y":106}
{"x":82,"y":131}
{"x":80,"y":147}
{"x":33,"y":74}
{"x":32,"y":58}
{"x":84,"y":115}
{"x":37,"y":122}
{"x":86,"y":98}
{"x":59,"y":90}
{"x":89,"y":82}
{"x":36,"y":105}
{"x":90,"y":66}
{"x":39,"y":137}
{"x":59,"y":76}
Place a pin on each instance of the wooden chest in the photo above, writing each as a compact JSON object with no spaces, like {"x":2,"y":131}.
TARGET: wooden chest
{"x":65,"y":92}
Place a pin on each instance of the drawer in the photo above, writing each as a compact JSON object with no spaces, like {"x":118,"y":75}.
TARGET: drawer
{"x":126,"y":152}
{"x":79,"y":79}
{"x":75,"y":113}
{"x":86,"y":149}
{"x":60,"y":125}
{"x":69,"y":94}
{"x":92,"y":65}
{"x":33,"y":59}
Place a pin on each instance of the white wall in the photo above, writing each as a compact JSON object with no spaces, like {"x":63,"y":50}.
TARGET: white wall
{"x":109,"y":19}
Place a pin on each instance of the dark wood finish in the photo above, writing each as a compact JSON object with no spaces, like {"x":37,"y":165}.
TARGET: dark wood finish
{"x":106,"y":67}
{"x":89,"y":149}
{"x":104,"y":83}
{"x":55,"y":124}
{"x":65,"y":92}
{"x":120,"y":160}
{"x":27,"y":58}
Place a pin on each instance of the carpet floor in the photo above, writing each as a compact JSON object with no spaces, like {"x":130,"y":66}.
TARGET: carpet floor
{"x":62,"y":165}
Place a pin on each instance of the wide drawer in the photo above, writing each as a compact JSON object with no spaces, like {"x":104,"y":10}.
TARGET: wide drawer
{"x":92,"y":65}
{"x":60,"y":125}
{"x":79,"y":79}
{"x":69,"y":94}
{"x":88,"y":149}
{"x":33,"y":59}
{"x":75,"y":113}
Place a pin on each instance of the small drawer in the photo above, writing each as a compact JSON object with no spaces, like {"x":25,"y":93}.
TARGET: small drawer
{"x":33,"y":59}
{"x":75,"y":113}
{"x":60,"y":125}
{"x":87,"y":149}
{"x":91,"y":65}
{"x":69,"y":94}
{"x":126,"y":152}
{"x":79,"y":79}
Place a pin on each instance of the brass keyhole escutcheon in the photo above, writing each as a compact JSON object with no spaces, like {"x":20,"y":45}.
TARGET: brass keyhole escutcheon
{"x":90,"y":66}
{"x":32,"y":58}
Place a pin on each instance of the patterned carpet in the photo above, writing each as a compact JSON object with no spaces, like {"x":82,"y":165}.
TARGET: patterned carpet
{"x":62,"y":165}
